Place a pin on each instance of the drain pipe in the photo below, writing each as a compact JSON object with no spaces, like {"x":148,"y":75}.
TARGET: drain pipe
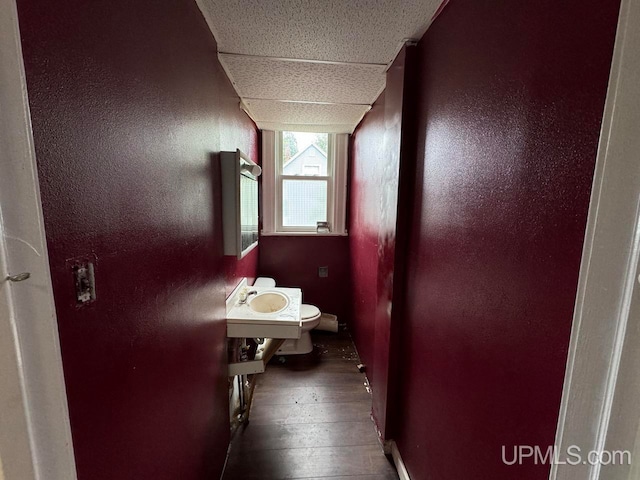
{"x":270,"y":347}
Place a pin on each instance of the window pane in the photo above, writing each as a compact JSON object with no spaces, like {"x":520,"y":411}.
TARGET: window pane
{"x":304,"y":202}
{"x":304,"y":154}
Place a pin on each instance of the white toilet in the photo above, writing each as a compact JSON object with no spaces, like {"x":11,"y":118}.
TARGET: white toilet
{"x":310,"y":315}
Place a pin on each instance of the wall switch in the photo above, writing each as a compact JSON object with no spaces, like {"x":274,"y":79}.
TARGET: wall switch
{"x":323,"y":272}
{"x":85,"y":282}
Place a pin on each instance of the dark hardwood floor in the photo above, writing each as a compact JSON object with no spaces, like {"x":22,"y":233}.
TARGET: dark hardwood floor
{"x":310,"y":419}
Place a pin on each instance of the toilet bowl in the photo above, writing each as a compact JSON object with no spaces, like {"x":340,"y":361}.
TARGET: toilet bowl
{"x":310,"y":316}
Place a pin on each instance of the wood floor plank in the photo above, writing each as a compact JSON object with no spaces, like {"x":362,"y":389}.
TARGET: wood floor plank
{"x":310,"y":419}
{"x":310,"y":462}
{"x":268,"y":395}
{"x":274,"y":437}
{"x":388,"y":476}
{"x":337,"y":349}
{"x":310,"y":413}
{"x":288,"y":378}
{"x":324,"y":364}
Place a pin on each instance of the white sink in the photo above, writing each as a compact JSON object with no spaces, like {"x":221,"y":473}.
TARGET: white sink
{"x":274,"y":312}
{"x":269,"y":302}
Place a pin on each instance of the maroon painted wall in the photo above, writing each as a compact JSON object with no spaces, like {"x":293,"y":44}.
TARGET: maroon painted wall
{"x":235,"y":270}
{"x":509,"y":105}
{"x":130,"y":108}
{"x":366,"y":172}
{"x":374,"y":215}
{"x":293,"y":261}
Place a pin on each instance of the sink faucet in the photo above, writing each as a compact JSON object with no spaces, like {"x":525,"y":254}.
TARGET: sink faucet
{"x":245,"y":295}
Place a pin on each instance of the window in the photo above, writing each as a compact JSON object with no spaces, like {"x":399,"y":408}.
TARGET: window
{"x":304,"y":182}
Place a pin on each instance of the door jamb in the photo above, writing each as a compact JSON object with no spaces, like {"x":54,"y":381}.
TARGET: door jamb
{"x":609,"y":260}
{"x":35,"y":433}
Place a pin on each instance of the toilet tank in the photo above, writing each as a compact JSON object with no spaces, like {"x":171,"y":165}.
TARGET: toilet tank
{"x":264,"y":282}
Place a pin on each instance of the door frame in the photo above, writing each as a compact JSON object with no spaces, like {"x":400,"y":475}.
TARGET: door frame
{"x":35,"y":433}
{"x":608,"y":270}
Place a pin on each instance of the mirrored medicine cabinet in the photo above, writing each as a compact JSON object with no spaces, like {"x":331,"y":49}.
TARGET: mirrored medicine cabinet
{"x":239,"y":203}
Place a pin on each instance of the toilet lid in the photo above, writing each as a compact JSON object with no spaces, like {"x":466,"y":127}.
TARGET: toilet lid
{"x":308,"y":311}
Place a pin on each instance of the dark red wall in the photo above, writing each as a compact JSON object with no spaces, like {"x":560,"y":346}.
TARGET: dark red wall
{"x":374,"y":186}
{"x":509,"y":105}
{"x":235,"y":270}
{"x":130,"y":108}
{"x":366,"y":170}
{"x":293,"y":261}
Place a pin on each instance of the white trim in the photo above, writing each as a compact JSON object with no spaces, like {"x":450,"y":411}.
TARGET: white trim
{"x":276,"y":158}
{"x":298,"y":60}
{"x":29,"y":343}
{"x":269,"y":145}
{"x":303,"y":234}
{"x":608,"y":267}
{"x":309,"y":127}
{"x":323,"y":178}
{"x":272,"y":178}
{"x":403,"y":474}
{"x":243,"y":107}
{"x":310,"y":102}
{"x":340,"y":154}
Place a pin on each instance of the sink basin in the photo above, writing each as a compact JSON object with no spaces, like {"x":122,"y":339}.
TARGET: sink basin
{"x":271,"y":312}
{"x":269,"y":302}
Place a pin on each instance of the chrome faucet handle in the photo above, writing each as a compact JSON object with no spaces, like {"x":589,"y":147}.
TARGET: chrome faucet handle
{"x":244,"y":296}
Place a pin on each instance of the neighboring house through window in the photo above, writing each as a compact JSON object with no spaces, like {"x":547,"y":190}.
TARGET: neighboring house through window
{"x":312,"y":169}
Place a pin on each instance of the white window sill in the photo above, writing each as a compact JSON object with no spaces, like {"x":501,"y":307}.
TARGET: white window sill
{"x":302,"y":234}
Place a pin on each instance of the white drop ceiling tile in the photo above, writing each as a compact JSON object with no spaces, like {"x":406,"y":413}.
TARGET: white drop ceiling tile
{"x":270,"y":111}
{"x":346,"y":32}
{"x":269,"y":78}
{"x":358,"y":31}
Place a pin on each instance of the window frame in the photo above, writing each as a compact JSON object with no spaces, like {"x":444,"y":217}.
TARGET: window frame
{"x":273,"y":178}
{"x":280,"y":179}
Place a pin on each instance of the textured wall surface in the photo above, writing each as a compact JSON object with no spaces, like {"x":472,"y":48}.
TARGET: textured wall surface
{"x":130,"y":109}
{"x":375,"y":176}
{"x":367,"y":145}
{"x":509,"y":110}
{"x":386,"y":187}
{"x":293,"y":262}
{"x":235,"y":270}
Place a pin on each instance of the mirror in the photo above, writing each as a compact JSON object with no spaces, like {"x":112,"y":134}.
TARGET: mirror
{"x":248,"y":212}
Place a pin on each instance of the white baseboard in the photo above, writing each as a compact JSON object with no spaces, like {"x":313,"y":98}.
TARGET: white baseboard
{"x":397,"y":460}
{"x":226,"y":460}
